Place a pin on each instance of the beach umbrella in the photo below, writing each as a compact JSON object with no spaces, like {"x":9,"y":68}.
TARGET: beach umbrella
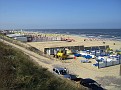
{"x":88,"y":57}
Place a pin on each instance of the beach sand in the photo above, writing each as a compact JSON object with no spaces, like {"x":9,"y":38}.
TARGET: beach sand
{"x":86,"y":70}
{"x":78,"y":42}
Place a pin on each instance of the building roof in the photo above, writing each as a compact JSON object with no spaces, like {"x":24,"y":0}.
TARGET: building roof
{"x":14,"y":35}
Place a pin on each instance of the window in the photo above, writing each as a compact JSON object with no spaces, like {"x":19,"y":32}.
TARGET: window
{"x":63,"y":72}
{"x":57,"y":71}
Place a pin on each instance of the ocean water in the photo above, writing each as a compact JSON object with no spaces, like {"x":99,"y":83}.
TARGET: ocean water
{"x":112,"y":34}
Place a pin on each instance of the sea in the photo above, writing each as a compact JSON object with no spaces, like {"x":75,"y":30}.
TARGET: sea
{"x":112,"y":34}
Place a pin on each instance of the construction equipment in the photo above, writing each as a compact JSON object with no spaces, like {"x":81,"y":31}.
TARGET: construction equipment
{"x":61,"y":55}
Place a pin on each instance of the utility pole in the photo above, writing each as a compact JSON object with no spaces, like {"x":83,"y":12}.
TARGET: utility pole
{"x":120,"y":64}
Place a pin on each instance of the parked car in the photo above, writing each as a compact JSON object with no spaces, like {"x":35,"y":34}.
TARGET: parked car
{"x":65,"y":73}
{"x":91,"y":84}
{"x":75,"y":78}
{"x":62,"y":72}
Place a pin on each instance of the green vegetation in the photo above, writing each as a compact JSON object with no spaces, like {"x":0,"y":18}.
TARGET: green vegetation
{"x":13,"y":41}
{"x":18,"y":72}
{"x":22,"y":44}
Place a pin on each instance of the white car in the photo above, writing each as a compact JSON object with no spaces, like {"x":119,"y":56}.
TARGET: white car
{"x":65,"y":73}
{"x":62,"y":72}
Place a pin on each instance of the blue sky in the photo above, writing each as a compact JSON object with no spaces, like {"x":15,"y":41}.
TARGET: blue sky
{"x":61,"y":14}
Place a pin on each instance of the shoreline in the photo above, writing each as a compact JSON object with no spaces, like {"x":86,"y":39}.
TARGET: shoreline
{"x":86,"y":35}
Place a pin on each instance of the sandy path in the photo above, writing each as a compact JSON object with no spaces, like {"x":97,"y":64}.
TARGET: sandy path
{"x":44,"y":62}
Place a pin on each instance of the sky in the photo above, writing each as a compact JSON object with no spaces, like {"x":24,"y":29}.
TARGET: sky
{"x":60,"y":14}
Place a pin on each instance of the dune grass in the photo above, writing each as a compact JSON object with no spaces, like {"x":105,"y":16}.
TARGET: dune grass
{"x":18,"y":72}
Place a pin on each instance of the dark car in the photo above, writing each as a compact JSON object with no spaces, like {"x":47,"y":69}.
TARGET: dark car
{"x":75,"y":78}
{"x":91,"y":84}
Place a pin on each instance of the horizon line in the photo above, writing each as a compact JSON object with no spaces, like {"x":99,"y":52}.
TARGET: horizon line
{"x":59,"y":28}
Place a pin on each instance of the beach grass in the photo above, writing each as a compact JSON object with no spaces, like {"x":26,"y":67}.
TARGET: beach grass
{"x":18,"y":72}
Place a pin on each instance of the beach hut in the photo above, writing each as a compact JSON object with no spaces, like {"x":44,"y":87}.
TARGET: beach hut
{"x":69,"y":47}
{"x":77,"y":47}
{"x":81,"y":47}
{"x":55,"y":51}
{"x":49,"y":51}
{"x":97,"y":53}
{"x":94,"y":48}
{"x":52,"y":51}
{"x":14,"y":35}
{"x":29,"y":38}
{"x":106,"y":47}
{"x":87,"y":48}
{"x":23,"y":39}
{"x":102,"y":48}
{"x":92,"y":52}
{"x":46,"y":50}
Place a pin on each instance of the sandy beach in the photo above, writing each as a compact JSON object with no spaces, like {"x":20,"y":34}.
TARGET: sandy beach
{"x":77,"y":41}
{"x":85,"y":70}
